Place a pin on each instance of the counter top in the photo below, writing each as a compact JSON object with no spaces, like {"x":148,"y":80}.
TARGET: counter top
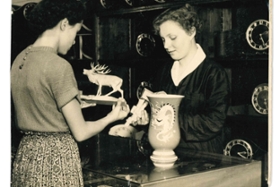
{"x":192,"y":169}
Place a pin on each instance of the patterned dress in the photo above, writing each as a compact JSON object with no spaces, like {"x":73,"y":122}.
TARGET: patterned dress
{"x":47,"y":159}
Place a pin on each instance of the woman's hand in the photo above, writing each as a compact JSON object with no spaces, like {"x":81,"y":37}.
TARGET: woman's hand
{"x":142,"y":119}
{"x":120,"y":110}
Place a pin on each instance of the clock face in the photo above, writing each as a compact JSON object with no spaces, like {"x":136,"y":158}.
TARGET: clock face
{"x":107,"y":4}
{"x":145,"y":44}
{"x":160,"y":1}
{"x":27,"y":9}
{"x":260,"y":99}
{"x":141,"y":88}
{"x":104,"y":3}
{"x":240,"y":148}
{"x":257,"y":34}
{"x":129,"y":2}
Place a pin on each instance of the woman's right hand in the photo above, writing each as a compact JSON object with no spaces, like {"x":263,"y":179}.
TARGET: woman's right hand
{"x":120,"y":110}
{"x":82,"y":129}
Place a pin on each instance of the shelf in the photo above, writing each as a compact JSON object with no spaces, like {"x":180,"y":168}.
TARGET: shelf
{"x":244,"y":61}
{"x":236,"y":62}
{"x":136,"y":62}
{"x":249,"y":119}
{"x":122,"y":11}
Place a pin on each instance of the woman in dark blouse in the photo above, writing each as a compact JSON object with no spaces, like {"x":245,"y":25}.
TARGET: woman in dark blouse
{"x":203,"y":82}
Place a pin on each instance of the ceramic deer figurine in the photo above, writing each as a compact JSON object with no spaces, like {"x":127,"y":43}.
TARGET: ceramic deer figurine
{"x":98,"y":75}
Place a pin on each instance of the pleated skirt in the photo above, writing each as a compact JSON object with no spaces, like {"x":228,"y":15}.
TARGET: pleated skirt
{"x":47,"y":159}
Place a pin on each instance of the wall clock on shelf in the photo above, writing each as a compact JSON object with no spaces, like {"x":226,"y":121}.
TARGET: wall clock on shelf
{"x":27,"y":9}
{"x":160,"y":1}
{"x":239,"y":148}
{"x":115,"y":4}
{"x":145,"y":44}
{"x":260,"y":99}
{"x":257,"y":35}
{"x":107,"y":4}
{"x":251,"y":27}
{"x":141,"y":88}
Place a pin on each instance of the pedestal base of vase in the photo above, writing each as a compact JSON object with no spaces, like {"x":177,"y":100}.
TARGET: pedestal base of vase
{"x":163,"y":158}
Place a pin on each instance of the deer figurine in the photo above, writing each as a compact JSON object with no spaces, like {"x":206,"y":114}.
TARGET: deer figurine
{"x":98,"y":75}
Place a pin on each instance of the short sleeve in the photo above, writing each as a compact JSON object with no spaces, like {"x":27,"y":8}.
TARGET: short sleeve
{"x":63,"y":84}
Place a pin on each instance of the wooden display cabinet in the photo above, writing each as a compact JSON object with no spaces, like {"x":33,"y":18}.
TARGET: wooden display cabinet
{"x":110,"y":38}
{"x":222,"y":38}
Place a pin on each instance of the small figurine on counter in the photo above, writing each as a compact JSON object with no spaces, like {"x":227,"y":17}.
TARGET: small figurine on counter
{"x":46,"y":101}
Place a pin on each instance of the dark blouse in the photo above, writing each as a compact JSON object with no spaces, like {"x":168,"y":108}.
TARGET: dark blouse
{"x":203,"y":110}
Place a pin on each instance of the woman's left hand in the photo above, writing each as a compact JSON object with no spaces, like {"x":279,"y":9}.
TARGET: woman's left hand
{"x":142,"y":119}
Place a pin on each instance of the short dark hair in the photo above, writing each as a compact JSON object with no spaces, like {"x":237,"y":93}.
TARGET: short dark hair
{"x":186,"y":16}
{"x":47,"y":13}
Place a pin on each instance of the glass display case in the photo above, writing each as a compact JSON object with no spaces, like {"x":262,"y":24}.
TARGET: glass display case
{"x":120,"y":164}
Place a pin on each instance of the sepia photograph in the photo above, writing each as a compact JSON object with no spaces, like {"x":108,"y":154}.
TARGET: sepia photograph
{"x":130,"y":93}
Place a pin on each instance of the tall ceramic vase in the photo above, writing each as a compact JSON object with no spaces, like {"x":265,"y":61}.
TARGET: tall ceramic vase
{"x":164,"y":131}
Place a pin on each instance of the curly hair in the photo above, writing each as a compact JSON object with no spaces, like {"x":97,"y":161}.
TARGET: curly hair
{"x":186,"y":16}
{"x":47,"y":13}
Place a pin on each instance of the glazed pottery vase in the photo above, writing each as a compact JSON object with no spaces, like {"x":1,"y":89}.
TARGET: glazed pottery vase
{"x":164,"y":131}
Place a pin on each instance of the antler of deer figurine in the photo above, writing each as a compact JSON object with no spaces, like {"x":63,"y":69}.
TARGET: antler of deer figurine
{"x":98,"y":75}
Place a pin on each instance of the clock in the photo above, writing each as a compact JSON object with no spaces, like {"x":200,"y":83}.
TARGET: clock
{"x":240,"y":148}
{"x":260,"y":99}
{"x":103,"y":3}
{"x":107,"y":4}
{"x":257,"y":34}
{"x":160,"y":1}
{"x":250,"y":28}
{"x":129,"y":2}
{"x":145,"y":44}
{"x":27,"y":9}
{"x":141,"y":88}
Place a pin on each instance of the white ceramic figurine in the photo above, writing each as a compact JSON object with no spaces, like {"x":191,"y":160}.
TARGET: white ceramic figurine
{"x":98,"y":75}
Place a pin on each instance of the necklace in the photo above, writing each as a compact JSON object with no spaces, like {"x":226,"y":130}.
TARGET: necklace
{"x":25,"y":57}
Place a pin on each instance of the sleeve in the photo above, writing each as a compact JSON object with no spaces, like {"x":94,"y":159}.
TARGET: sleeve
{"x":63,"y":83}
{"x":204,"y":115}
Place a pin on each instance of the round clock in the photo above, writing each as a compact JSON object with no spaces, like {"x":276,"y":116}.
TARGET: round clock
{"x":103,"y":3}
{"x":145,"y":44}
{"x":141,"y":88}
{"x":257,"y":34}
{"x":129,"y":2}
{"x":260,"y":99}
{"x":160,"y":1}
{"x":240,"y":148}
{"x":27,"y":9}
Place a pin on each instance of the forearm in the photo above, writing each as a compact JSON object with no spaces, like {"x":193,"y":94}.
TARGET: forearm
{"x":90,"y":128}
{"x":80,"y":128}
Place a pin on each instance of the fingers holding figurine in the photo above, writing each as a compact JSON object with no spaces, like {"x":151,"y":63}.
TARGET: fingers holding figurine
{"x":143,"y":119}
{"x":120,"y":109}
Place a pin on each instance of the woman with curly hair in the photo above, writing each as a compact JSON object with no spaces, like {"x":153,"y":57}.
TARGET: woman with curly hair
{"x":203,"y":82}
{"x":46,"y":101}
